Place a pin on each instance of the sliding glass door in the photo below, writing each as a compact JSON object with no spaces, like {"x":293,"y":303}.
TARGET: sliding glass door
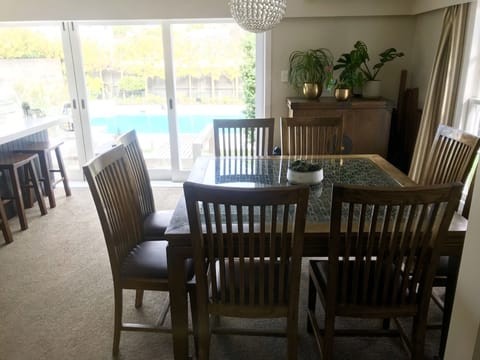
{"x":124,"y":72}
{"x":210,"y":62}
{"x":166,"y":80}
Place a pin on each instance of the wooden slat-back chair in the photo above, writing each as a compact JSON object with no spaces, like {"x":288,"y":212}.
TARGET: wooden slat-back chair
{"x":247,"y":257}
{"x":155,"y":221}
{"x":243,"y":137}
{"x":450,"y":159}
{"x":451,"y":156}
{"x":136,"y":264}
{"x":312,"y":136}
{"x":378,"y":236}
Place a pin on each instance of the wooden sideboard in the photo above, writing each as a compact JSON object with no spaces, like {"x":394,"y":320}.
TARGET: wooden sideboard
{"x":366,"y":122}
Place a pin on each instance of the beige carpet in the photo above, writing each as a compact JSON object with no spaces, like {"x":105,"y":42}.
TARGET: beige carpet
{"x":56,"y":298}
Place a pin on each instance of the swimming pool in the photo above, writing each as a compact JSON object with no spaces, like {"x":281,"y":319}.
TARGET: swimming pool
{"x":157,"y":123}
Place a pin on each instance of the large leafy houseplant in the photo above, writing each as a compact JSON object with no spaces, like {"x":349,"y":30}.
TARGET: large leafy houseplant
{"x":355,"y":68}
{"x":385,"y":56}
{"x":313,"y":66}
{"x":350,"y":75}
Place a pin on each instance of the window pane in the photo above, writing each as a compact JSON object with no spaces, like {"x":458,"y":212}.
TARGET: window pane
{"x":125,"y":76}
{"x":212,"y":63}
{"x":33,"y":80}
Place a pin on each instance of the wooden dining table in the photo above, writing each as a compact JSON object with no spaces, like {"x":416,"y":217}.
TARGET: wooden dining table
{"x":369,"y":170}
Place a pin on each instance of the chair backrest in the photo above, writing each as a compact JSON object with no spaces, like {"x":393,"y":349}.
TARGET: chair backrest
{"x":387,"y":233}
{"x":243,"y":137}
{"x":110,"y":181}
{"x":312,"y":135}
{"x":139,"y":170}
{"x":249,"y":237}
{"x":451,"y":156}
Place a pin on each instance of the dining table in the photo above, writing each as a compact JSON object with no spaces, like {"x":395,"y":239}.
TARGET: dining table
{"x":254,"y":172}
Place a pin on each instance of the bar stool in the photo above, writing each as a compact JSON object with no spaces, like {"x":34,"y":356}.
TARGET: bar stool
{"x":13,"y":163}
{"x":43,"y":150}
{"x":7,"y":233}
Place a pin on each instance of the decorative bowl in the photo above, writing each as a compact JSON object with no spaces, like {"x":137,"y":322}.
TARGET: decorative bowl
{"x":310,"y":178}
{"x":304,"y":172}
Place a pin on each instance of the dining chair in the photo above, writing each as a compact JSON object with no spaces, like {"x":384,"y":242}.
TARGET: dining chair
{"x":155,"y":222}
{"x":450,"y":159}
{"x":377,"y":236}
{"x":247,"y":248}
{"x":451,"y":156}
{"x":311,"y":135}
{"x":243,"y":137}
{"x":136,"y":264}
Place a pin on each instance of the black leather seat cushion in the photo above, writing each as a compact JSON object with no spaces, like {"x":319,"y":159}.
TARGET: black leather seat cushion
{"x":149,"y":260}
{"x":156,"y":223}
{"x":320,"y":268}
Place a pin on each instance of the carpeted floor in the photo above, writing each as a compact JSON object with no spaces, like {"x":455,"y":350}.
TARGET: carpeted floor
{"x":56,"y":298}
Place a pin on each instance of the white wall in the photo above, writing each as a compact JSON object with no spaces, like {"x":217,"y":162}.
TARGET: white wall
{"x":25,"y":10}
{"x":463,"y":339}
{"x":21,"y":10}
{"x":425,"y":42}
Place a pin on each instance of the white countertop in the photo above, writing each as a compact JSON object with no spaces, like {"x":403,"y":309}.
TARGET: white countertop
{"x":16,"y":128}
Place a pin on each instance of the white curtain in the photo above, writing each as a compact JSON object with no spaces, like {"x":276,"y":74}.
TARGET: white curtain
{"x":442,"y":91}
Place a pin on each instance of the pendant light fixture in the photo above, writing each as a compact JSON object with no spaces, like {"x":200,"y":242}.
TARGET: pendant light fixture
{"x":257,"y":15}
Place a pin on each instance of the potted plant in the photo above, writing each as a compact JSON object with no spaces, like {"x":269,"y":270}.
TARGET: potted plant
{"x":309,"y":70}
{"x":350,"y":77}
{"x":371,"y":86}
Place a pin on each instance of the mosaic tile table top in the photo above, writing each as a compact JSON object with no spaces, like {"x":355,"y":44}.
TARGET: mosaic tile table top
{"x":272,"y":172}
{"x":370,"y":170}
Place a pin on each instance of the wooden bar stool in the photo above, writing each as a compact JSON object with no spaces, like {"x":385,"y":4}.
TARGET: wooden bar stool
{"x":7,"y":233}
{"x":13,"y":163}
{"x":43,"y":150}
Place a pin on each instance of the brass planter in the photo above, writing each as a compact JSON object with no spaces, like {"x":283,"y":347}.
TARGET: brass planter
{"x":342,"y":94}
{"x":312,"y":90}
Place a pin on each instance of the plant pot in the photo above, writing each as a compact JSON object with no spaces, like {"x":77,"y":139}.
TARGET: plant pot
{"x":312,"y":90}
{"x":342,"y":94}
{"x":371,"y":89}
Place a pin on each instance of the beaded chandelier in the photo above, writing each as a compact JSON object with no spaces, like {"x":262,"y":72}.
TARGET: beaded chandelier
{"x":257,"y":15}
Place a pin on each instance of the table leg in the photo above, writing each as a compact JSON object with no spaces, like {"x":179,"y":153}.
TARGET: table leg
{"x":178,"y":299}
{"x":453,"y":267}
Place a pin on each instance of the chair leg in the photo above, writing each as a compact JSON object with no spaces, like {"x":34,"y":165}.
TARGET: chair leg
{"x":138,"y":298}
{"x":47,"y":184}
{"x":194,"y":313}
{"x":327,"y":350}
{"x":292,"y":338}
{"x":63,"y":173}
{"x":203,"y":326}
{"x":32,"y":177}
{"x":118,"y":320}
{"x":7,"y":233}
{"x":312,"y":299}
{"x":18,"y":198}
{"x":419,"y":329}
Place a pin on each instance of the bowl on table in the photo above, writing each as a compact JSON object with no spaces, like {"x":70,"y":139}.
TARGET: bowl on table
{"x":303,"y":172}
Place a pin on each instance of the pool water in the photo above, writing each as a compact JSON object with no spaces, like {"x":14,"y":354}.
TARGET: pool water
{"x":157,"y":123}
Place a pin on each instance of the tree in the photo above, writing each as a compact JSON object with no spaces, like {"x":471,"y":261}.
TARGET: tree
{"x":247,"y":70}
